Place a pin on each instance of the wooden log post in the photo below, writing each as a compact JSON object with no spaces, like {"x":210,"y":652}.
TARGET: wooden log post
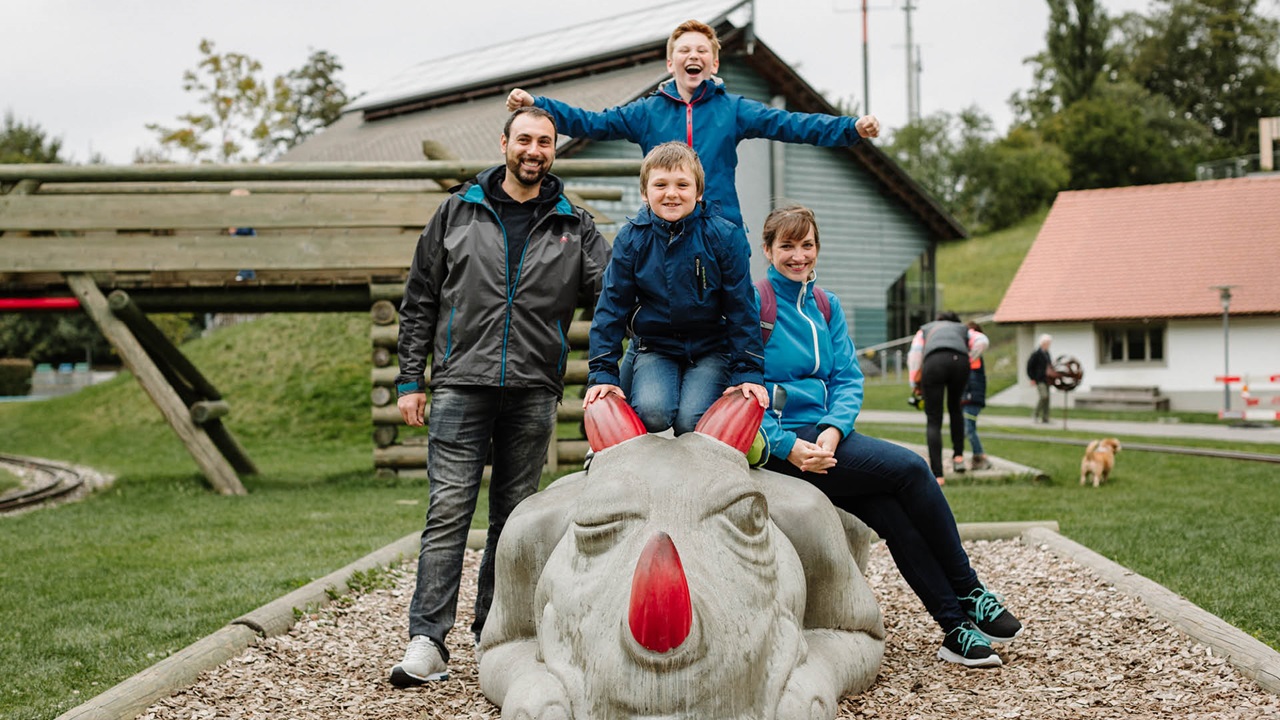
{"x":230,"y":448}
{"x":204,"y":401}
{"x":202,"y":411}
{"x":383,"y":312}
{"x":158,"y":346}
{"x":213,"y":464}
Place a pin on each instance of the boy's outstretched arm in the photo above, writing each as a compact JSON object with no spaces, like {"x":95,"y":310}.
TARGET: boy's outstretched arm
{"x":517,"y":99}
{"x":868,"y":126}
{"x":612,"y":124}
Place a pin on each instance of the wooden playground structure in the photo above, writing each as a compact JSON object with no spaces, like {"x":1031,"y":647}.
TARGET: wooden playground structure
{"x":123,"y":241}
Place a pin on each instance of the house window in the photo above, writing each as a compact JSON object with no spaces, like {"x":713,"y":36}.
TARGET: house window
{"x":1132,"y":343}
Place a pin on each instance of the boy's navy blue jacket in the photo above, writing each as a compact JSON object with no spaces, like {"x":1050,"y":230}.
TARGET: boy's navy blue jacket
{"x":713,"y":122}
{"x":684,"y":288}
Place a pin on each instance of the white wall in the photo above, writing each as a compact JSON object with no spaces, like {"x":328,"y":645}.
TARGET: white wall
{"x":1193,"y":357}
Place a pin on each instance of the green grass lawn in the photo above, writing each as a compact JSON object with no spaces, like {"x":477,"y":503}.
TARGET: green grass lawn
{"x":973,"y":275}
{"x":94,"y":591}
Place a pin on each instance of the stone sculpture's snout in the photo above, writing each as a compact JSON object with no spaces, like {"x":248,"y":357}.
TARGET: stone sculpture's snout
{"x":660,"y":614}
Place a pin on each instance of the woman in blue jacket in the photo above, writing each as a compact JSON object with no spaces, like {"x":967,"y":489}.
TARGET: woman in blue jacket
{"x":812,"y":375}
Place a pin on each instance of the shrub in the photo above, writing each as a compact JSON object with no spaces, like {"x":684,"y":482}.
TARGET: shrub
{"x":15,"y":376}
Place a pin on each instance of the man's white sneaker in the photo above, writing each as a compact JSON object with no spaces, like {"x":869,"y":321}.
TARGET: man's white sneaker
{"x":422,"y":663}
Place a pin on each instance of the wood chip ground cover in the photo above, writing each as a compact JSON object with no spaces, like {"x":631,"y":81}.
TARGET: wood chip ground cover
{"x":1088,"y":652}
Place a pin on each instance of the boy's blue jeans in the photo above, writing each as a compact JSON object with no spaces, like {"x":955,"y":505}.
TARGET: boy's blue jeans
{"x":674,"y":392}
{"x":464,"y":421}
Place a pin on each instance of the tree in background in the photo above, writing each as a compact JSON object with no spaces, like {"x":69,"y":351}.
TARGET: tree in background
{"x":1125,"y":135}
{"x":305,"y":101}
{"x":1215,"y":60}
{"x":39,"y":336}
{"x":246,"y":118}
{"x":1073,"y":63}
{"x":940,"y":151}
{"x":230,"y":88}
{"x":1017,"y":175}
{"x":27,"y":143}
{"x":987,"y":182}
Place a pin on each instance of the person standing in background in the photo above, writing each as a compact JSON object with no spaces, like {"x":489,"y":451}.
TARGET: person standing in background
{"x":1038,"y":371}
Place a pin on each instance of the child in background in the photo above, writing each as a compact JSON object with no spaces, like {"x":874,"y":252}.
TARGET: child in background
{"x":972,"y":401}
{"x":680,"y":280}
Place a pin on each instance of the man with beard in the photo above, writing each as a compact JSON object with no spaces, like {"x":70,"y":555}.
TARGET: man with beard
{"x":494,"y":282}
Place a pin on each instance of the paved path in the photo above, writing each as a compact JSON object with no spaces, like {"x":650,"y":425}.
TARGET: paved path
{"x":997,"y":423}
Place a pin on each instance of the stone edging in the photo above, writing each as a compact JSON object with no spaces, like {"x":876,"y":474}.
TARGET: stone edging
{"x":1252,"y":657}
{"x":132,"y":696}
{"x":135,"y":694}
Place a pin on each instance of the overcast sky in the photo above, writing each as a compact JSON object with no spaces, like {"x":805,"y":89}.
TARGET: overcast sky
{"x":95,"y":72}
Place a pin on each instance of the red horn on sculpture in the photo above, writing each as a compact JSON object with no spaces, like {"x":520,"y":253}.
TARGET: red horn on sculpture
{"x":733,"y":420}
{"x":661,"y":613}
{"x":609,"y":421}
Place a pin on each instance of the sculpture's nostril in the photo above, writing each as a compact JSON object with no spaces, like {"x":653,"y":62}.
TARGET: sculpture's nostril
{"x":661,"y":612}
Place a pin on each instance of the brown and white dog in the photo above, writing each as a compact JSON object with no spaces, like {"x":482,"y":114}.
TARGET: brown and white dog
{"x":1098,"y":460}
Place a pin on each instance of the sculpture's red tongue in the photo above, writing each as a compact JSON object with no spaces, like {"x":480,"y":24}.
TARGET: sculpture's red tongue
{"x":661,"y":613}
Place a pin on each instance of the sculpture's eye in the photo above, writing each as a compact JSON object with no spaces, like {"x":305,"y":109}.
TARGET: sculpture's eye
{"x":749,"y":514}
{"x":593,"y":538}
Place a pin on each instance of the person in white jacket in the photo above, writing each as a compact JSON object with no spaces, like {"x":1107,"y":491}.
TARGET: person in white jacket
{"x":938,"y":366}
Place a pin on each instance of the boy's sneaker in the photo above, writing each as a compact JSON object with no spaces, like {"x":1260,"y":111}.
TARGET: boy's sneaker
{"x":989,"y":615}
{"x":980,"y":462}
{"x":422,"y":663}
{"x":964,"y":645}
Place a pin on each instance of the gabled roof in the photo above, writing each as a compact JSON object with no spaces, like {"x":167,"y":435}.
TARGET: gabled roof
{"x":595,"y":66}
{"x":1154,"y":251}
{"x":548,"y":52}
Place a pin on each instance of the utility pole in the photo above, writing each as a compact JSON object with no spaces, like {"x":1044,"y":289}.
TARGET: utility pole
{"x":913,"y":110}
{"x":918,"y":71}
{"x":866,"y":64}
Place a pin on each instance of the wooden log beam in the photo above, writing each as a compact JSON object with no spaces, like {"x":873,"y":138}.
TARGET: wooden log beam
{"x":388,"y":335}
{"x":568,"y":452}
{"x":212,"y":463}
{"x":230,"y":448}
{"x":158,"y":346}
{"x":428,"y":170}
{"x":202,"y":411}
{"x":385,"y":435}
{"x":386,"y":291}
{"x":134,"y":695}
{"x":574,"y":374}
{"x":253,"y":299}
{"x":383,"y":312}
{"x":382,"y":395}
{"x":569,"y":411}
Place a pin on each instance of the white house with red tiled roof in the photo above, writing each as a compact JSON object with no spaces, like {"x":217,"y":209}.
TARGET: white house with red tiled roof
{"x":1127,"y":281}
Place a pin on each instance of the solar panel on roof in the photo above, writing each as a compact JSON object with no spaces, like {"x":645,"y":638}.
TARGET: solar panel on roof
{"x":555,"y":48}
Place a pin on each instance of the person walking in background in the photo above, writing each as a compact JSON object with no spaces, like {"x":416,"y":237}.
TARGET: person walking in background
{"x":972,"y":402}
{"x":492,"y":288}
{"x":938,"y":365}
{"x":1038,"y":366}
{"x":810,"y":360}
